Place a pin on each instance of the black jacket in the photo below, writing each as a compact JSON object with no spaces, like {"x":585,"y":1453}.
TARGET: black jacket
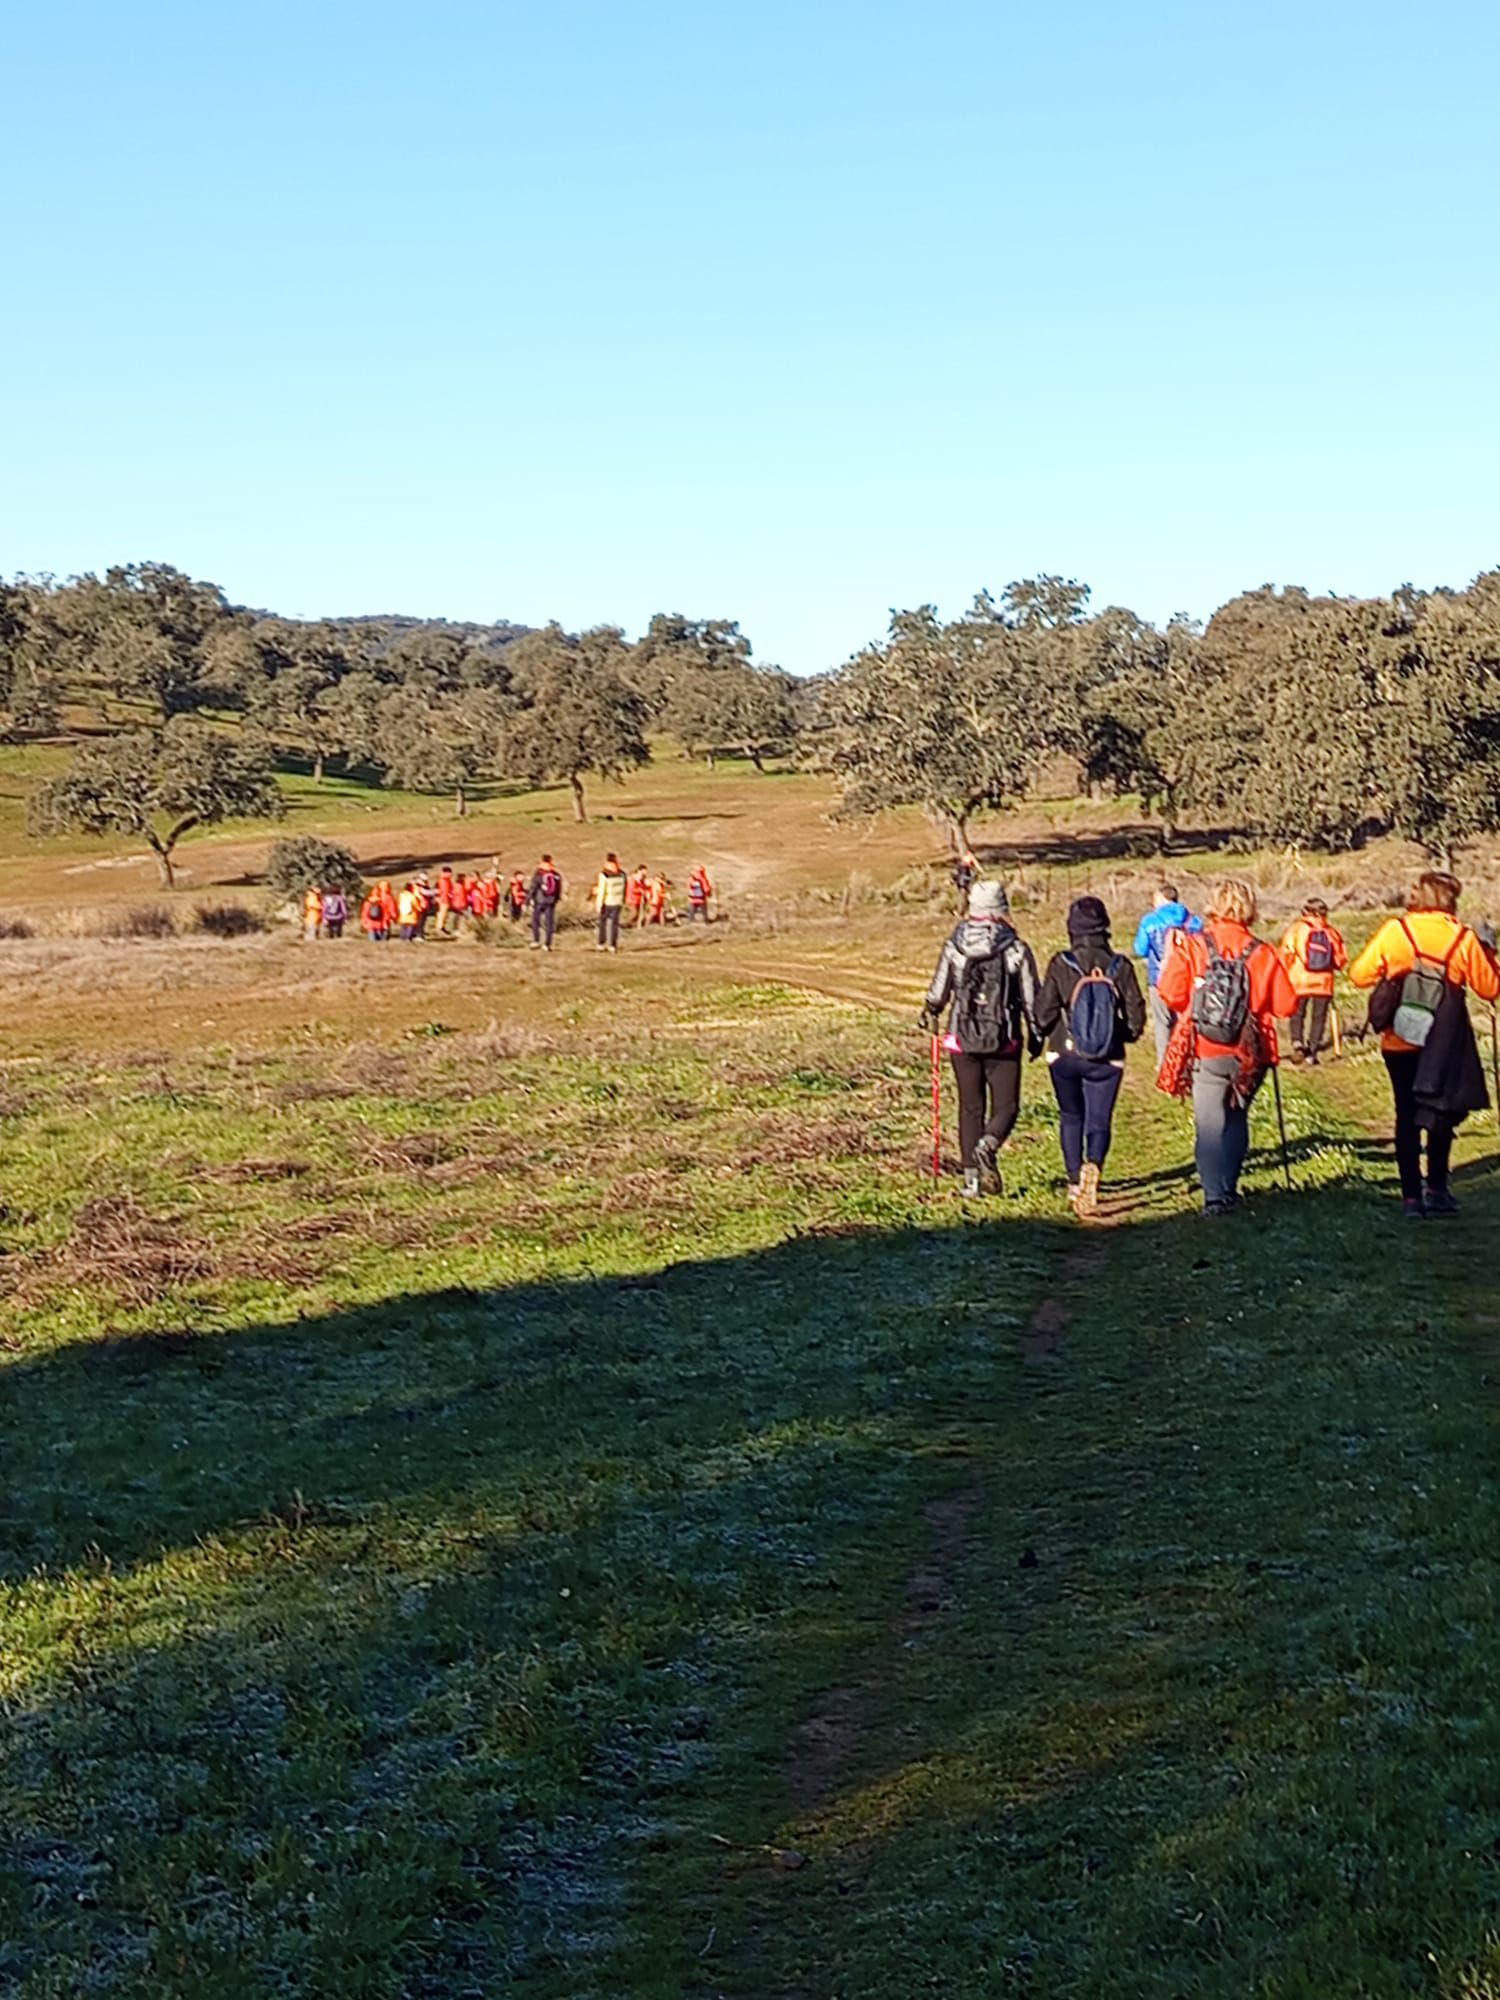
{"x":1056,"y":994}
{"x":1450,"y":1072}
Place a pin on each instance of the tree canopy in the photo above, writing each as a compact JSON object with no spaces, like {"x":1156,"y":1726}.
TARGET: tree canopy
{"x":157,"y":785}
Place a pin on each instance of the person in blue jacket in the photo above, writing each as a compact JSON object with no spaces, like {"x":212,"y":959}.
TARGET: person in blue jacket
{"x":1153,"y":940}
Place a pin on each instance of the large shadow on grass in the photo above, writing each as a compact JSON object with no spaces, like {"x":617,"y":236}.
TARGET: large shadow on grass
{"x":427,"y":1649}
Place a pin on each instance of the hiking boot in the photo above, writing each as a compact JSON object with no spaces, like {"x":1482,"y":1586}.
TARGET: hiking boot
{"x":1088,"y":1189}
{"x":1074,"y":1191}
{"x":1413,"y":1208}
{"x":1440,"y":1202}
{"x":985,"y":1157}
{"x":971,"y":1181}
{"x":1226,"y":1206}
{"x":1299,"y":1054}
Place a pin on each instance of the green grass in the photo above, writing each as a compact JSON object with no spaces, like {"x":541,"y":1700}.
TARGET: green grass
{"x":472,"y":1505}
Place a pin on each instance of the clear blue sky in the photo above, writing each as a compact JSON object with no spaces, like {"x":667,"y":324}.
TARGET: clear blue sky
{"x":783,"y":312}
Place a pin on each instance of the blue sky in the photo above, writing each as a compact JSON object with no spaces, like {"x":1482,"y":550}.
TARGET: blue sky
{"x":789,"y":313}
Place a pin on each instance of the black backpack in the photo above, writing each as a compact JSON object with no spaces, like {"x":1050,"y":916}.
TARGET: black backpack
{"x":986,"y":1012}
{"x":1221,"y":1000}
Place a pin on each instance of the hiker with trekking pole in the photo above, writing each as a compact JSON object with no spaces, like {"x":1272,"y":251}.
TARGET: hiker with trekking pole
{"x":1227,"y":988}
{"x":1418,"y":969}
{"x":1090,"y":1007}
{"x":989,"y":976}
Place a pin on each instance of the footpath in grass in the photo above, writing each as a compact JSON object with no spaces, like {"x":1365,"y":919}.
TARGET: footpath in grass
{"x":579,"y":1517}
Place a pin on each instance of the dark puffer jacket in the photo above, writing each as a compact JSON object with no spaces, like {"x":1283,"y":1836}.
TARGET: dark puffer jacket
{"x":1091,"y":953}
{"x":986,"y":937}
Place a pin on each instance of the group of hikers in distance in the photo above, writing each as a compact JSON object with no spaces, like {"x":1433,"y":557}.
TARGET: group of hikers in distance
{"x":457,"y":902}
{"x":1214,"y":995}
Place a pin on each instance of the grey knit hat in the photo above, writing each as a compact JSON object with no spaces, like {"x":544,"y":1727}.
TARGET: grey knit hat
{"x":988,"y":899}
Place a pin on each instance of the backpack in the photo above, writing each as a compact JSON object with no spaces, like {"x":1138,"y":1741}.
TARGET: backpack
{"x":986,"y":1010}
{"x":1317,"y":953}
{"x":1422,"y":991}
{"x":1221,"y":1000}
{"x":1093,"y":1011}
{"x":549,"y":885}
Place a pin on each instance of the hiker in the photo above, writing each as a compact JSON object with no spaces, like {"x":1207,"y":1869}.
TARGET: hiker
{"x":700,"y":892}
{"x":1314,"y":951}
{"x":443,"y":898}
{"x":635,"y":897}
{"x":335,"y":912}
{"x":1419,"y":967}
{"x":1153,"y":939}
{"x":484,"y":896}
{"x":374,"y":917}
{"x":1227,"y":988}
{"x":426,"y":903}
{"x":409,"y":913}
{"x":544,"y":895}
{"x":656,"y":898}
{"x":609,"y":902}
{"x":1089,"y":1007}
{"x":515,"y":896}
{"x":989,"y":975}
{"x":312,"y":913}
{"x":965,"y":875}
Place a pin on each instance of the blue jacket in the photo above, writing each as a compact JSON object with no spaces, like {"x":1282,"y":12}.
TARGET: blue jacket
{"x":1153,"y":931}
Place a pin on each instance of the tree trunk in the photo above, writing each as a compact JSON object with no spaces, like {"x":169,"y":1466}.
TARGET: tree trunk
{"x":163,"y":852}
{"x":755,"y":758}
{"x":461,"y":801}
{"x":575,"y":783}
{"x":317,"y":767}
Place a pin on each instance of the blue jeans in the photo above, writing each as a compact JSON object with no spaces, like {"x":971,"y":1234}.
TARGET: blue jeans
{"x":1086,"y":1091}
{"x":1222,"y":1122}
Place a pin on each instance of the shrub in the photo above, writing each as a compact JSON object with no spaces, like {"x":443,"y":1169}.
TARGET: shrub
{"x":306,"y":862}
{"x":15,"y":927}
{"x":145,"y":920}
{"x":228,"y":920}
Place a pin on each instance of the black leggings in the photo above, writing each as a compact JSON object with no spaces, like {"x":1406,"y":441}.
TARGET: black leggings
{"x":989,"y":1097}
{"x":1402,"y":1065}
{"x":609,"y":924}
{"x":543,"y":923}
{"x":1310,"y":1021}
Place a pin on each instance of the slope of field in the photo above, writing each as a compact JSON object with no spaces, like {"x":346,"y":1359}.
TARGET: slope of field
{"x":516,"y":1481}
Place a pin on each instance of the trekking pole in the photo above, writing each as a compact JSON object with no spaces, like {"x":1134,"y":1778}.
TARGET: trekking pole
{"x":937,"y":1111}
{"x":1286,"y":1165}
{"x":1495,"y":1059}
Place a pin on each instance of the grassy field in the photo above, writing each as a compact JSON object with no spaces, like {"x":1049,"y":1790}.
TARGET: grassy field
{"x":515,"y":1481}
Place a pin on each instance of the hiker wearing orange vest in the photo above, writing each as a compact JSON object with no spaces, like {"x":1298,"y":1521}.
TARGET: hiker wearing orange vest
{"x":636,"y":896}
{"x":1420,"y":966}
{"x":312,"y":913}
{"x":1314,"y":951}
{"x":700,"y":892}
{"x":656,"y":895}
{"x":484,"y":896}
{"x":515,"y":896}
{"x":409,"y":907}
{"x":373,"y":916}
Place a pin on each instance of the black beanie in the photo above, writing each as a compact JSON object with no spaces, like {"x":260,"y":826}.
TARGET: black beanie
{"x":1087,"y":917}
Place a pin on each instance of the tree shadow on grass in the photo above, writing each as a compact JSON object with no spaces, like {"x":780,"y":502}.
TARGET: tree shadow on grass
{"x":428,"y":1649}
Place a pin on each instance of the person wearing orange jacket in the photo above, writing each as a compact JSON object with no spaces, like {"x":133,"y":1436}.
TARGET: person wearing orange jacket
{"x":1228,"y":988}
{"x":312,"y":914}
{"x":484,"y":895}
{"x":374,"y":919}
{"x":1314,"y":951}
{"x":656,"y":898}
{"x":1420,"y":966}
{"x":637,"y":896}
{"x":515,"y":896}
{"x":700,"y":891}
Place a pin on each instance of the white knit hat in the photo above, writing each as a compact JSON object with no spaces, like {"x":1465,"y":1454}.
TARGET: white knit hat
{"x":988,"y":899}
